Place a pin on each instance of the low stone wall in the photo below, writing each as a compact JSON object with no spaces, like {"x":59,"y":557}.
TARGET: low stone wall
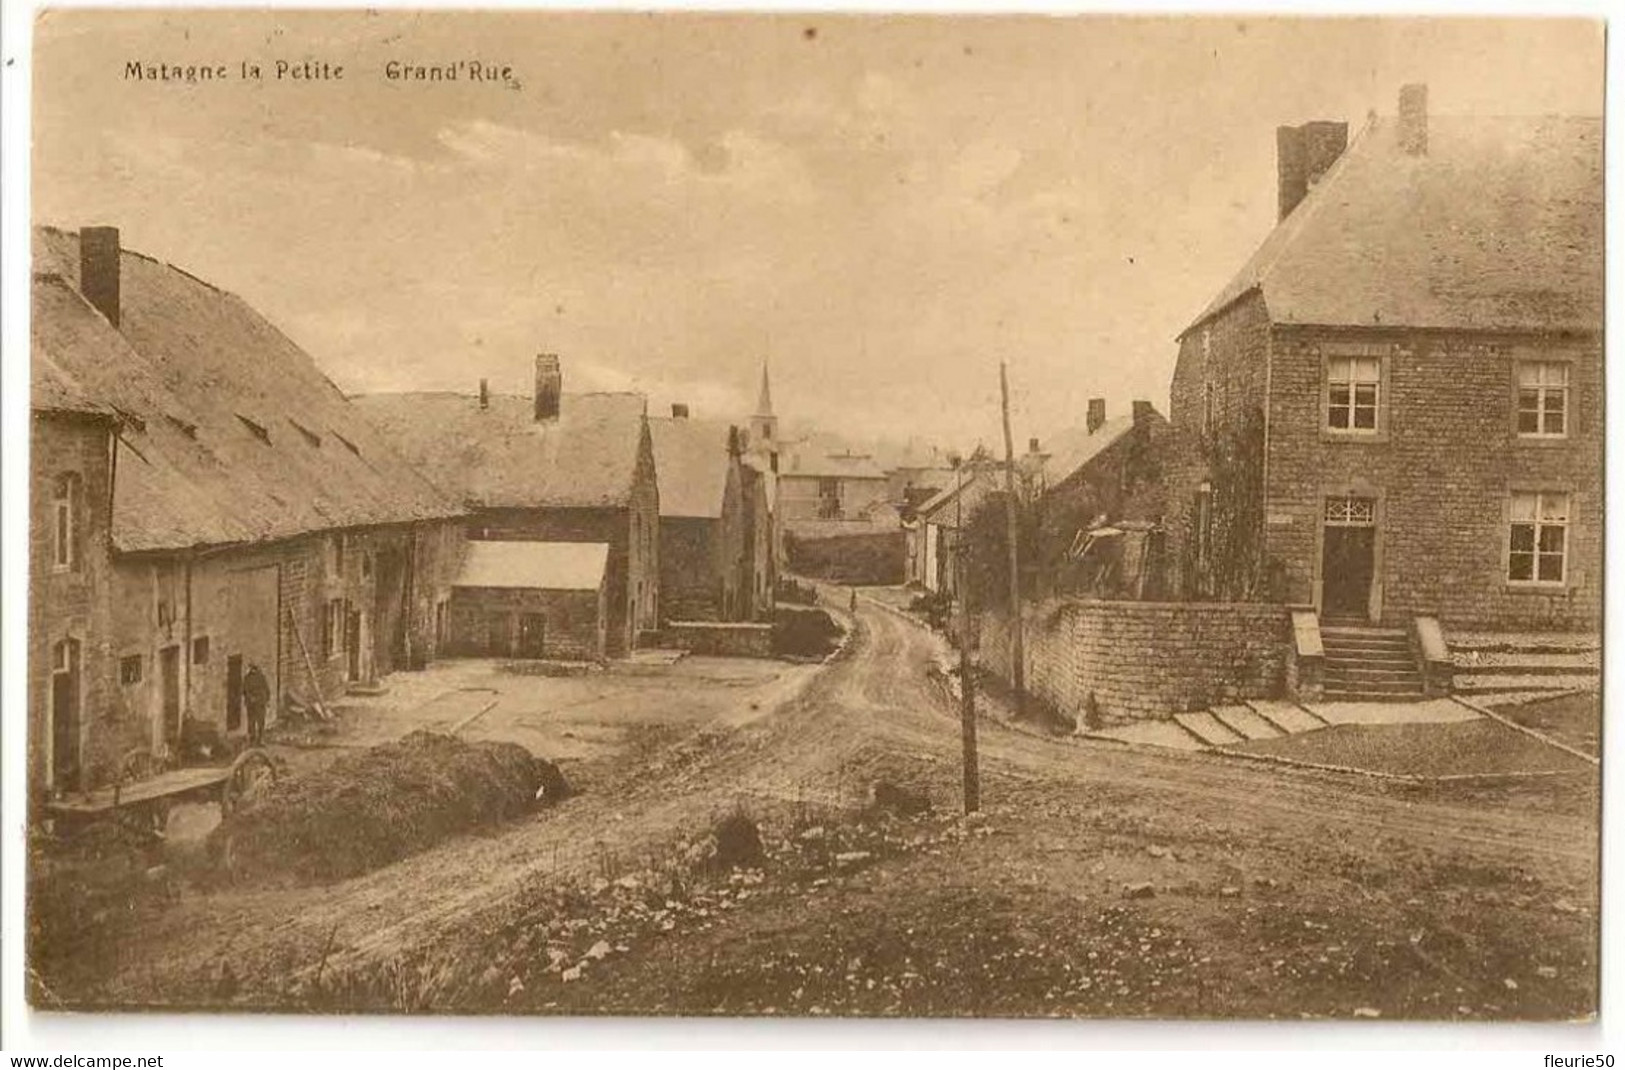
{"x":735,"y":640}
{"x":1144,"y":660}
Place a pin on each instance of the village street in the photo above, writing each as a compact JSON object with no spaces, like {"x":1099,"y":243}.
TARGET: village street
{"x":1247,"y":862}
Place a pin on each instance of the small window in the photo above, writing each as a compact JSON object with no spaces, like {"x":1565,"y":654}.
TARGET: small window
{"x":1352,"y":388}
{"x":200,"y":650}
{"x":338,"y":553}
{"x":366,"y":565}
{"x":333,"y":627}
{"x":257,"y":429}
{"x":1543,"y":399}
{"x":1538,"y":541}
{"x":129,"y":669}
{"x":65,"y":499}
{"x":829,"y":499}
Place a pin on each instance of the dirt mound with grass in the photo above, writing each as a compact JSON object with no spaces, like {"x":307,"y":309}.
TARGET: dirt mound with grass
{"x":373,"y":807}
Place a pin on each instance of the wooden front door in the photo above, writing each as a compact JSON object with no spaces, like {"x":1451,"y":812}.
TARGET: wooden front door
{"x":234,"y":693}
{"x":352,"y":644}
{"x":169,"y":679}
{"x":65,"y":687}
{"x":1348,"y":562}
{"x":499,"y":636}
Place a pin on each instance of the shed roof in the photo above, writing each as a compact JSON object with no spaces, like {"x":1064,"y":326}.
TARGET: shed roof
{"x":229,"y":431}
{"x":545,"y":566}
{"x":1498,"y":226}
{"x":691,"y":465}
{"x":502,"y":456}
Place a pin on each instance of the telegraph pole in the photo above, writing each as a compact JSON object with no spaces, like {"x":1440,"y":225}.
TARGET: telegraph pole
{"x":967,"y":684}
{"x":1018,"y":658}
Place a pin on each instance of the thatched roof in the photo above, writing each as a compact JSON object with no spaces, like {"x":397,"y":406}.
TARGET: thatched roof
{"x":1499,"y":225}
{"x":229,"y":431}
{"x":501,"y":456}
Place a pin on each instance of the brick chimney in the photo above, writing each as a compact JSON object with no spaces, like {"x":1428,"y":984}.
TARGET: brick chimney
{"x":1303,"y":155}
{"x":485,"y":394}
{"x":549,"y":386}
{"x":1097,"y":414}
{"x":99,"y":269}
{"x":679,"y":411}
{"x":1142,"y":413}
{"x":1413,"y":119}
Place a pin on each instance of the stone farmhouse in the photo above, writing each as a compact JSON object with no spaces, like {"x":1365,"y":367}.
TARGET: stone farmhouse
{"x":204,"y":500}
{"x":550,"y":469}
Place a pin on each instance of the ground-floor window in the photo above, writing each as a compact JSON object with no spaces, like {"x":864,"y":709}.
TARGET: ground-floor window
{"x":1539,"y":538}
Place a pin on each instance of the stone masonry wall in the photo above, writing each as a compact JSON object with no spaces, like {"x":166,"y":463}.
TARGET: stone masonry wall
{"x":1143,"y":660}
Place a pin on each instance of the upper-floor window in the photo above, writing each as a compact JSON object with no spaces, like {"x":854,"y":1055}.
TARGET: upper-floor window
{"x":1543,"y":399}
{"x":65,"y":522}
{"x":1538,"y":542}
{"x":1353,"y":386}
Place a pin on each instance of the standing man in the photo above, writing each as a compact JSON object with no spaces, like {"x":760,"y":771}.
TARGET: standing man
{"x":256,"y":694}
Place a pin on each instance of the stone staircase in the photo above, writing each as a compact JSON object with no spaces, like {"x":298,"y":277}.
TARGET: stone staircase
{"x":1366,"y":664}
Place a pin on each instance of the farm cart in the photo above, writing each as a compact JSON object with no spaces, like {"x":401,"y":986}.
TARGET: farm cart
{"x":141,"y":799}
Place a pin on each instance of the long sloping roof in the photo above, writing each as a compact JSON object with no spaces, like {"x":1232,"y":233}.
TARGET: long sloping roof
{"x":501,"y":456}
{"x":229,"y":432}
{"x":1498,"y":226}
{"x":691,"y":465}
{"x":545,"y":566}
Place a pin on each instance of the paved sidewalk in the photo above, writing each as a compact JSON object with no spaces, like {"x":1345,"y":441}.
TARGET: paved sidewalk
{"x":1263,"y":719}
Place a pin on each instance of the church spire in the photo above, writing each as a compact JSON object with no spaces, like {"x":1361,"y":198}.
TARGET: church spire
{"x":764,"y":400}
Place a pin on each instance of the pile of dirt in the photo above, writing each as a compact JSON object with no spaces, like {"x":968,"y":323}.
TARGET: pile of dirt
{"x":371,"y":808}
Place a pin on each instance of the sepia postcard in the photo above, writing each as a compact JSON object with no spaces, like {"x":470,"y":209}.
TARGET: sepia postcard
{"x":543,"y":513}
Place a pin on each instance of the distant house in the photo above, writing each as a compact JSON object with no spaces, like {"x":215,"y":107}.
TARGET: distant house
{"x":838,"y":493}
{"x":935,"y":538}
{"x":716,"y":539}
{"x":1395,"y":407}
{"x":520,"y":599}
{"x":235,"y":510}
{"x":552,"y":467}
{"x":1098,"y":498}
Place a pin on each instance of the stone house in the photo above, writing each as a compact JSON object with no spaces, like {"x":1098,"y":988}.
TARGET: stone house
{"x":553,"y":467}
{"x":252,"y":515}
{"x":1394,"y":409}
{"x":516,"y":599}
{"x":1097,"y":496}
{"x":716,"y":539}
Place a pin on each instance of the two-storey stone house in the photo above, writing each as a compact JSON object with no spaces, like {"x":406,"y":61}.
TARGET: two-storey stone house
{"x":1395,"y":408}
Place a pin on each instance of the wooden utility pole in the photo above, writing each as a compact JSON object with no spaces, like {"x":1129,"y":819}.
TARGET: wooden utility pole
{"x":967,"y":682}
{"x":1018,"y":658}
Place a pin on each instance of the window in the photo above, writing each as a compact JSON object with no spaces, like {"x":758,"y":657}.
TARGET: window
{"x":333,"y":627}
{"x":1351,"y":512}
{"x":1204,"y":524}
{"x":200,"y":650}
{"x":1539,"y":538}
{"x":829,"y":499}
{"x":1543,"y":399}
{"x":1352,"y":387}
{"x":129,"y":669}
{"x":65,"y":521}
{"x":338,"y":554}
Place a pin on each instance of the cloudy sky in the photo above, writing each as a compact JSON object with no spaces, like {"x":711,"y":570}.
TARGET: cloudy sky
{"x":882,"y":208}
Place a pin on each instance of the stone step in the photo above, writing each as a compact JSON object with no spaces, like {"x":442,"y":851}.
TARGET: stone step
{"x":1286,"y":716}
{"x":1367,"y":671}
{"x":1364,"y":658}
{"x":1206,"y":727}
{"x":1243,"y":720}
{"x":1375,"y":687}
{"x":1363,"y":633}
{"x":1366,"y":642}
{"x":1338,"y":695}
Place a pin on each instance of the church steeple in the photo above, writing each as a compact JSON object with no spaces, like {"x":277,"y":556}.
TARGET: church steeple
{"x":764,"y":426}
{"x":764,"y":400}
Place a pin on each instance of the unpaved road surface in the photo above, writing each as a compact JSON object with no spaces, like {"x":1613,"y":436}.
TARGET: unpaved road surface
{"x":872,"y":712}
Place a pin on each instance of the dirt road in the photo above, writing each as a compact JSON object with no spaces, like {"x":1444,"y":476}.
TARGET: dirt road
{"x":873,"y":712}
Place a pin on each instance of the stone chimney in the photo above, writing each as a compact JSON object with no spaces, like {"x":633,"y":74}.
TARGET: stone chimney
{"x":549,"y":386}
{"x":1413,"y":119}
{"x":485,"y":394}
{"x":99,"y":269}
{"x":1142,"y":413}
{"x":1032,"y":445}
{"x":679,"y":411}
{"x":1303,"y":155}
{"x":1097,"y":414}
